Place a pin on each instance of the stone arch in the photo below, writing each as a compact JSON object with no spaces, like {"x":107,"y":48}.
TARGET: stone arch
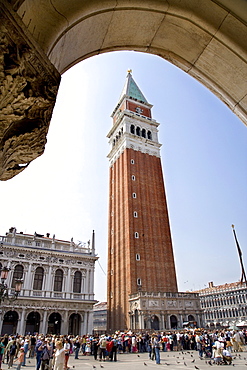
{"x":74,"y":324}
{"x":10,"y":321}
{"x":54,"y":323}
{"x":173,"y":322}
{"x":155,"y":322}
{"x":32,"y":322}
{"x":206,"y":39}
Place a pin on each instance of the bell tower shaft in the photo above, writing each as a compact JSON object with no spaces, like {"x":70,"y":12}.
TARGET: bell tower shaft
{"x":140,"y":254}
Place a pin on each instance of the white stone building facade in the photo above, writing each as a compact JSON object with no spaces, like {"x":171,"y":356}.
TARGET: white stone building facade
{"x":224,"y":305}
{"x":165,"y":311}
{"x":57,"y":294}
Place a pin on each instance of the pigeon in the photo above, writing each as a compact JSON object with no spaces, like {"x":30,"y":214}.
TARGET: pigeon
{"x":101,"y":366}
{"x":167,"y":364}
{"x":191,"y":356}
{"x":185,"y":364}
{"x":138,"y":355}
{"x":210,"y":363}
{"x":193,"y":361}
{"x":178,"y":362}
{"x":196,"y":367}
{"x":145,"y":364}
{"x":94,"y":367}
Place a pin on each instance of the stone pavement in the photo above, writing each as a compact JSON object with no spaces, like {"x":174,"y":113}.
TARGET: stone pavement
{"x":131,"y":361}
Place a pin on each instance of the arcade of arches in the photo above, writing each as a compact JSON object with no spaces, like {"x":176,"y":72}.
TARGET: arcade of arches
{"x":33,"y":323}
{"x":206,"y":39}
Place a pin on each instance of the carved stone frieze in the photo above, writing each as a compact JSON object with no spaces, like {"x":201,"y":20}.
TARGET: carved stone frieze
{"x":28,"y":89}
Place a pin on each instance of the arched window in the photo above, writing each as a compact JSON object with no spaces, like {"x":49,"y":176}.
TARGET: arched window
{"x":139,"y":282}
{"x":58,"y":281}
{"x":132,"y":129}
{"x":138,"y":257}
{"x":38,"y":278}
{"x":134,"y":195}
{"x":77,"y":282}
{"x":133,"y":177}
{"x":138,"y":131}
{"x":144,"y":133}
{"x":149,"y":135}
{"x":136,"y":235}
{"x":135,"y":214}
{"x":18,"y":274}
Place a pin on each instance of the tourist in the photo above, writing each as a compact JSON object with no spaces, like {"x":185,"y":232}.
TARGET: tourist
{"x":156,"y":346}
{"x":66,"y":347}
{"x":39,"y":351}
{"x":227,"y":357}
{"x":113,"y":353}
{"x":46,"y":355}
{"x":102,"y":347}
{"x":77,"y":348}
{"x":12,"y":352}
{"x":26,"y":348}
{"x":20,"y":359}
{"x":2,"y":348}
{"x":59,"y":357}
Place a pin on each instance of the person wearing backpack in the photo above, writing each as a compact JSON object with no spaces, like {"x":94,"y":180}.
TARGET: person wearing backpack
{"x":46,"y":355}
{"x":102,"y":347}
{"x":12,"y":353}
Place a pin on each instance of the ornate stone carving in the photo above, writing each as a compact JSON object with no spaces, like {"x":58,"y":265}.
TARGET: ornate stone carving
{"x":28,"y":89}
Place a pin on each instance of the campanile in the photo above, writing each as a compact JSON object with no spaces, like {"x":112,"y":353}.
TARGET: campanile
{"x":140,"y":254}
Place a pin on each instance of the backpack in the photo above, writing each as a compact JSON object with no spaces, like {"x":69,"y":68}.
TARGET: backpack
{"x":12,"y":349}
{"x":45,"y":354}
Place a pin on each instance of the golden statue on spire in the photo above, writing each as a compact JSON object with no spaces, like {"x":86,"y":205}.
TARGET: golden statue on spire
{"x":129,"y":70}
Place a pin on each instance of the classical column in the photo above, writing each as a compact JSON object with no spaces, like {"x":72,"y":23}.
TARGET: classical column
{"x":87,"y":285}
{"x":21,"y":322}
{"x":82,"y":324}
{"x":44,"y":324}
{"x":1,"y":320}
{"x":65,"y":322}
{"x":68,"y":289}
{"x":48,"y":283}
{"x":141,"y":323}
{"x":162,"y":321}
{"x":90,"y":322}
{"x":28,"y":277}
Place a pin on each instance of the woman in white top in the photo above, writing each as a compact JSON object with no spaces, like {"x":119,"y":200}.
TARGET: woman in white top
{"x":59,"y":356}
{"x":66,"y":347}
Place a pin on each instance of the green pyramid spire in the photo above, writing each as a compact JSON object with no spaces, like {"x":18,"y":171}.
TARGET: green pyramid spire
{"x":132,"y":90}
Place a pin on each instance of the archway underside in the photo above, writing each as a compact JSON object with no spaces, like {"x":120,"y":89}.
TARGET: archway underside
{"x":206,"y":39}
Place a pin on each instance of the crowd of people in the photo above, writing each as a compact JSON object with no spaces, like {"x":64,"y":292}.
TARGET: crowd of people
{"x":53,"y":351}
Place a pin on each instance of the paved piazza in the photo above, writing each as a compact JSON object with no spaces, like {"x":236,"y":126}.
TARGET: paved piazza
{"x":172,"y":360}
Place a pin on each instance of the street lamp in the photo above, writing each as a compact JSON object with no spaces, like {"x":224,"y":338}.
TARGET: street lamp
{"x":4,"y":294}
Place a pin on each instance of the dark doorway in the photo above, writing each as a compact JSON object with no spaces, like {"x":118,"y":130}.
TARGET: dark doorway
{"x":10,"y":322}
{"x":54,"y":323}
{"x":174,"y":322}
{"x":74,"y":324}
{"x":155,"y":324}
{"x":33,"y":322}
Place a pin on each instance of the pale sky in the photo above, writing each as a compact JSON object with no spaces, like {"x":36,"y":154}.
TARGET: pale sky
{"x":204,"y":156}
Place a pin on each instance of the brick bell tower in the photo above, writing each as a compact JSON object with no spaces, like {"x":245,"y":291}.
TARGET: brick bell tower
{"x":140,"y":254}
